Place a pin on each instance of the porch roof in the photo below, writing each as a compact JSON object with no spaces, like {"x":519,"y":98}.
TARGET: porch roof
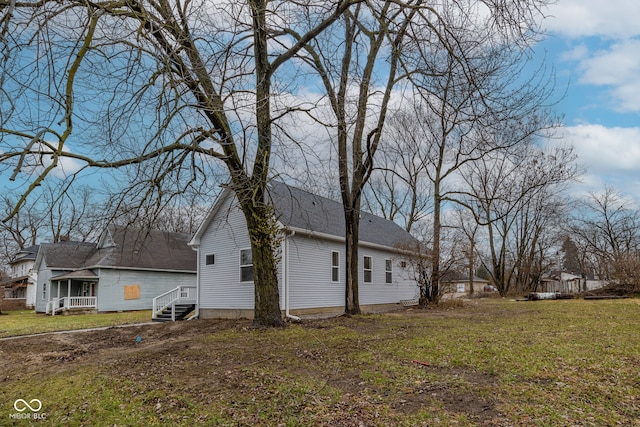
{"x":78,"y":274}
{"x":13,"y":282}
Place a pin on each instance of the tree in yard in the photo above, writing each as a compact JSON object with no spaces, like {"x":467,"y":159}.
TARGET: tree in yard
{"x":382,"y":47}
{"x":606,"y":228}
{"x":462,"y":90}
{"x":358,"y":75}
{"x":175,"y":85}
{"x":515,"y":198}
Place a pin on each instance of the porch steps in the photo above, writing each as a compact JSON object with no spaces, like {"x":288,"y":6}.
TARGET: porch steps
{"x":182,"y":310}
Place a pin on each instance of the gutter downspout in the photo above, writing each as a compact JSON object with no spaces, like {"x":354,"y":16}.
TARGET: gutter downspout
{"x":286,"y":278}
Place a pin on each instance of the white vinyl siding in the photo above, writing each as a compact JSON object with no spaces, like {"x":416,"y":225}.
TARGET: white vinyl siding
{"x":310,"y":283}
{"x":220,"y":286}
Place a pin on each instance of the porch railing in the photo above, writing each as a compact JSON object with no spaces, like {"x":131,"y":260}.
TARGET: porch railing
{"x":57,"y":305}
{"x":179,"y":295}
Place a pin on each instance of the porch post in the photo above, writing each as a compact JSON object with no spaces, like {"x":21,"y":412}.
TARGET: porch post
{"x":68,"y":287}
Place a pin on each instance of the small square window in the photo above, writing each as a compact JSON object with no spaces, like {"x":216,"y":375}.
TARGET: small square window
{"x":210,"y":259}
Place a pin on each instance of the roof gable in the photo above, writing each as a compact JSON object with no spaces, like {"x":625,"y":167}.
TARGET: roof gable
{"x":299,"y":209}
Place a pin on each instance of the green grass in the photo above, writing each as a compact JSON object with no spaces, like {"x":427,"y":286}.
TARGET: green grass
{"x":494,"y":362}
{"x":26,"y":322}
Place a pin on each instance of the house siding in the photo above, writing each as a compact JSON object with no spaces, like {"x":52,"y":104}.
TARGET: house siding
{"x":112,"y":282}
{"x":402,"y":286}
{"x":43,"y":280}
{"x":309,"y":273}
{"x":220,"y":286}
{"x":306,"y":271}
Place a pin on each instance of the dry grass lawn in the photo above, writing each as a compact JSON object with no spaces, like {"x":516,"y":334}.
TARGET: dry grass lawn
{"x":490,"y":362}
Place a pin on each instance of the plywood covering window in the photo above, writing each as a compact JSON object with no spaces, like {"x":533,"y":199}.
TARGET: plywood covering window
{"x":367,"y":269}
{"x":246,"y":265}
{"x":131,"y":292}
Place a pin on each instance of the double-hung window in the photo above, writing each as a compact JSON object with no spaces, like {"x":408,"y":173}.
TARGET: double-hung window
{"x":367,"y":269}
{"x":335,"y":266}
{"x":388,"y":271}
{"x":246,"y":265}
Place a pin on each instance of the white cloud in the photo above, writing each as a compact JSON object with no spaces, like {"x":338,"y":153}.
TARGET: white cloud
{"x":608,"y":156}
{"x":36,"y":163}
{"x":619,"y":68}
{"x":584,"y":18}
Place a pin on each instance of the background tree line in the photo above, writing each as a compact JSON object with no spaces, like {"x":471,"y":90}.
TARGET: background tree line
{"x":414,"y":109}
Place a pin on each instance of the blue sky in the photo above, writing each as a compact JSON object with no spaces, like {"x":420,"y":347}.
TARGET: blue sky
{"x":594,"y":46}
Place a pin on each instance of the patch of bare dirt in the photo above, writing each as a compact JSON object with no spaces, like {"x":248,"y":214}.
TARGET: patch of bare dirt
{"x":206,"y":365}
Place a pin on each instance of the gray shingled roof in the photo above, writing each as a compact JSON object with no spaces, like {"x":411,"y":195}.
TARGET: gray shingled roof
{"x":149,"y":249}
{"x":126,"y":248}
{"x":67,"y":255}
{"x":304,"y":210}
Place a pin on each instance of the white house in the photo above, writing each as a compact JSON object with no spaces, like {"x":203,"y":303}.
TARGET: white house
{"x":312,"y":259}
{"x":22,"y":285}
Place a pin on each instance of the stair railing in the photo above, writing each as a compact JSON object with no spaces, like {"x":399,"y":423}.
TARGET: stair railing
{"x":179,"y":295}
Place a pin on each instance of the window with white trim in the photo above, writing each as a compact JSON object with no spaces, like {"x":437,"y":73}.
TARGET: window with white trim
{"x":335,"y":266}
{"x":367,"y":269}
{"x":246,"y":265}
{"x":388,"y":271}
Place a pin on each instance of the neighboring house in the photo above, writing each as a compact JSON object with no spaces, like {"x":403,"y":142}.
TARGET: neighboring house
{"x":124,"y":270}
{"x":311,"y":260}
{"x":21,"y":287}
{"x":568,"y":283}
{"x":455,"y":284}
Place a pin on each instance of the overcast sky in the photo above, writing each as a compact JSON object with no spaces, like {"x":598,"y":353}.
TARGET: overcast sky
{"x":594,"y":46}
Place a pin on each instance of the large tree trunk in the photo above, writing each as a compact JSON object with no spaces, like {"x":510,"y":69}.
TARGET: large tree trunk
{"x":259,"y":216}
{"x":263,"y":235}
{"x":352,"y":228}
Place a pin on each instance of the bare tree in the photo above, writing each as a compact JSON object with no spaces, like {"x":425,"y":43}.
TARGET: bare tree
{"x":515,"y":198}
{"x":397,"y":37}
{"x":398,"y":188}
{"x":463,"y":91}
{"x":369,"y":38}
{"x":182,"y":83}
{"x":606,"y":226}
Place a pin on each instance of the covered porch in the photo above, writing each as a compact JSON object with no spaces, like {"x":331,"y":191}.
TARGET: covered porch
{"x":74,"y":291}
